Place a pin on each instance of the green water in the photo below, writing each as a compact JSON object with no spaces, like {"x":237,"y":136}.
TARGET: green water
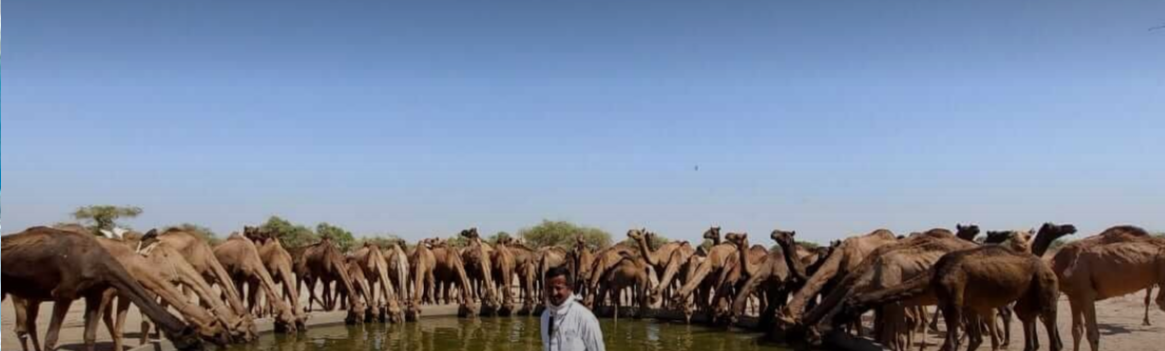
{"x":504,"y":334}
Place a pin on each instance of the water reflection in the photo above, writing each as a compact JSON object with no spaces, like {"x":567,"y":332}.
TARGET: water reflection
{"x":503,"y":334}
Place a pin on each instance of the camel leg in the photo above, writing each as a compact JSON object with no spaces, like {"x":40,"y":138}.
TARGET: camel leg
{"x":1093,"y":331}
{"x":92,"y":317}
{"x":934,"y":319}
{"x":26,"y":313}
{"x":953,"y":318}
{"x":60,"y":309}
{"x":1148,"y":298}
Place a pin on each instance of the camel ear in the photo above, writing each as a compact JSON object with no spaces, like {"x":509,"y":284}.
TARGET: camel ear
{"x":793,"y":233}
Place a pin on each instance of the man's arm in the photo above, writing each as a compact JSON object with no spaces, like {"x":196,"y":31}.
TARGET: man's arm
{"x":593,"y":336}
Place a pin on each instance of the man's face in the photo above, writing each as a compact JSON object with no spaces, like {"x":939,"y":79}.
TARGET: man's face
{"x":558,"y":290}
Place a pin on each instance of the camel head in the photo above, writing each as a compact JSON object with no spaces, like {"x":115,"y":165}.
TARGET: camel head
{"x":1049,"y":233}
{"x":997,"y":237}
{"x":712,"y":233}
{"x":1021,"y":241}
{"x":738,"y":239}
{"x":470,"y":233}
{"x":784,"y":237}
{"x":967,"y":232}
{"x":636,"y":234}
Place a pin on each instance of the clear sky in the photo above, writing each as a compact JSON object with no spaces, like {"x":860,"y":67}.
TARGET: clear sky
{"x":831,"y":118}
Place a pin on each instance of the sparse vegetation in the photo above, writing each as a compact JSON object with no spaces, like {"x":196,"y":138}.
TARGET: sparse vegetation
{"x":342,"y":237}
{"x":563,"y":234}
{"x":104,"y":217}
{"x":498,"y":237}
{"x":382,"y":241}
{"x":291,"y":235}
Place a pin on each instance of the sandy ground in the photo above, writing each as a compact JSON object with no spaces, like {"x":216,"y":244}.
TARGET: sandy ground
{"x":1120,"y":327}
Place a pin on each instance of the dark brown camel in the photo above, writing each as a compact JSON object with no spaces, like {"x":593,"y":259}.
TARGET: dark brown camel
{"x":772,"y":276}
{"x":45,"y":264}
{"x":323,"y":261}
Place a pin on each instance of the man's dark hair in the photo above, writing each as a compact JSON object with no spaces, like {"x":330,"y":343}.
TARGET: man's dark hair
{"x":559,"y":272}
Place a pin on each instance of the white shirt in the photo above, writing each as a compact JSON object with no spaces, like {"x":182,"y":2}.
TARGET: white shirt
{"x":575,"y":328}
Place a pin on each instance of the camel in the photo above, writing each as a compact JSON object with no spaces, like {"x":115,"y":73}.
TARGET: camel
{"x":324,"y":262}
{"x":674,"y":275}
{"x":972,"y":283}
{"x":422,"y":262}
{"x":580,"y":261}
{"x":772,"y":273}
{"x":710,"y":267}
{"x":162,"y":272}
{"x":526,"y":267}
{"x":449,"y":271}
{"x":629,"y":273}
{"x":887,"y":266}
{"x":734,"y":276}
{"x":660,"y":259}
{"x":1148,"y":298}
{"x":374,"y":269}
{"x":279,"y":264}
{"x":45,"y":264}
{"x":240,"y":257}
{"x":476,"y":259}
{"x":605,"y":260}
{"x":200,"y":255}
{"x":503,"y":277}
{"x":844,"y":259}
{"x":1119,"y":261}
{"x":398,"y":270}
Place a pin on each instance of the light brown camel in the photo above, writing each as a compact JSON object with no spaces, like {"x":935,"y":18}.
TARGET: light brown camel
{"x":605,"y":260}
{"x":710,"y":267}
{"x":771,"y":276}
{"x":887,"y":266}
{"x":973,"y":283}
{"x":324,"y":262}
{"x":381,"y":293}
{"x":449,"y":272}
{"x":45,"y":264}
{"x":199,"y":254}
{"x":398,"y":270}
{"x":479,"y":268}
{"x":628,"y":276}
{"x":279,"y":264}
{"x":844,"y":259}
{"x":526,"y":268}
{"x":162,"y":276}
{"x":660,"y":259}
{"x":503,"y":271}
{"x":239,"y":256}
{"x":1119,"y":261}
{"x":675,"y":274}
{"x":422,"y":263}
{"x":733,"y":277}
{"x":580,"y":261}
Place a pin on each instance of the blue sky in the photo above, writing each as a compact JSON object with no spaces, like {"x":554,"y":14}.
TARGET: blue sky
{"x":423,"y":118}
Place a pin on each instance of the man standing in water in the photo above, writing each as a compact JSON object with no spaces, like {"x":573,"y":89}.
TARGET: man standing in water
{"x":566,"y":324}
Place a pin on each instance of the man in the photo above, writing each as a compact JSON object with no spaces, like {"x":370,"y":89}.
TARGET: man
{"x":566,"y":324}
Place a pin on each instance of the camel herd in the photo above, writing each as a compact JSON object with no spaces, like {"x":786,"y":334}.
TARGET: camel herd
{"x":192,"y":292}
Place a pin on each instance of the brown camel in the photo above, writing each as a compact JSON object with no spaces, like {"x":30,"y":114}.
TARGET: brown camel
{"x":381,"y":293}
{"x":580,"y":261}
{"x":771,"y":276}
{"x":733,"y":277}
{"x":478,"y":266}
{"x":449,"y":272}
{"x":605,"y":260}
{"x":526,"y":267}
{"x":240,"y":257}
{"x":422,"y":262}
{"x":717,"y":260}
{"x":398,"y":270}
{"x":45,"y":264}
{"x":279,"y":264}
{"x":844,"y":259}
{"x":887,"y":266}
{"x":675,"y":274}
{"x":1119,"y":261}
{"x":660,"y":259}
{"x":162,"y":276}
{"x":200,"y":255}
{"x":503,"y":271}
{"x":324,"y":262}
{"x":629,"y":275}
{"x":973,"y":283}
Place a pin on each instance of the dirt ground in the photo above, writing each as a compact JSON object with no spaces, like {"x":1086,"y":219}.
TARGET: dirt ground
{"x":1120,"y":327}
